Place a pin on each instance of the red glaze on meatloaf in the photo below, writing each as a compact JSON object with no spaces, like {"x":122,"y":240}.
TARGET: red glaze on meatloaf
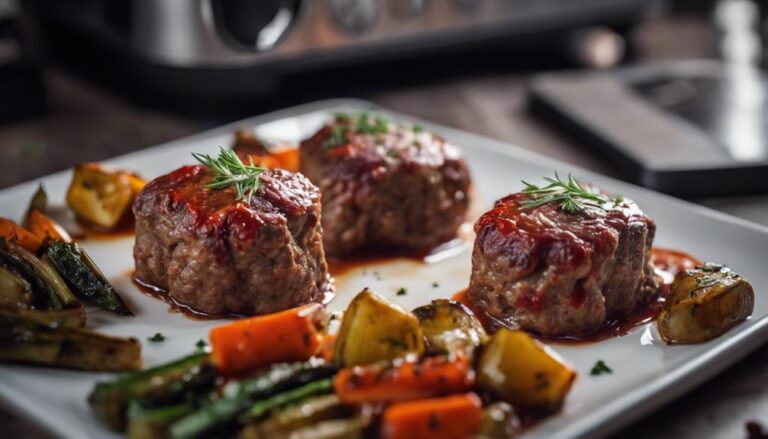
{"x":385,"y":185}
{"x":557,"y":273}
{"x":219,"y":255}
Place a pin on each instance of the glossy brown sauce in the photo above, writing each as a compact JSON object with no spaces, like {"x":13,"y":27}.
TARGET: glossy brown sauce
{"x":93,"y":232}
{"x":175,"y":307}
{"x":340,"y":267}
{"x":668,"y":264}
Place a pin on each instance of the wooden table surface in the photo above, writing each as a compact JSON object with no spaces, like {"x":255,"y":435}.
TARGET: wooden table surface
{"x":86,"y":123}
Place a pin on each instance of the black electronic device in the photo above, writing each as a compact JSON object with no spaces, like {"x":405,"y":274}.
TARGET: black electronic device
{"x":687,"y":128}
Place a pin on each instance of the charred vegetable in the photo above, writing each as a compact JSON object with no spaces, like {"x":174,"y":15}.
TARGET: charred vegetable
{"x":46,"y":229}
{"x":263,"y":407}
{"x":48,"y":289}
{"x":27,"y":293}
{"x":85,"y":278}
{"x":704,"y":303}
{"x":72,"y":317}
{"x":101,"y":195}
{"x":456,"y":416}
{"x":449,"y":327}
{"x":26,"y":341}
{"x":152,"y":423}
{"x":239,"y":396}
{"x":404,"y":380}
{"x":169,"y":383}
{"x":14,"y":233}
{"x":354,"y":428}
{"x":291,"y":418}
{"x":521,"y":371}
{"x":38,"y":203}
{"x":15,"y":291}
{"x":374,"y":329}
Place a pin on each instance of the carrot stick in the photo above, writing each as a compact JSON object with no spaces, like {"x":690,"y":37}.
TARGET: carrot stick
{"x":452,"y":417}
{"x":404,"y":380}
{"x":264,"y":161}
{"x":249,"y":344}
{"x":13,"y":232}
{"x":288,"y":158}
{"x":327,"y":345}
{"x":45,"y":228}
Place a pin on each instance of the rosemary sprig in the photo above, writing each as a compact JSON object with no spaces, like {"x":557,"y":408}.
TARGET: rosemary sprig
{"x":229,"y":170}
{"x":572,"y":196}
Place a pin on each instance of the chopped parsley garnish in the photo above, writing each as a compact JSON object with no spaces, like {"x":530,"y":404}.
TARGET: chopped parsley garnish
{"x":402,"y":292}
{"x":201,"y":344}
{"x":337,"y":138}
{"x":600,"y":368}
{"x":158,"y":337}
{"x":417,"y":128}
{"x":362,"y":123}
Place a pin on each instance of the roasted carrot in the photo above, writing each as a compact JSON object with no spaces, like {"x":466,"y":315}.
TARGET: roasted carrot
{"x":451,"y":417}
{"x":13,"y":232}
{"x":246,"y":345}
{"x":327,"y":345}
{"x":404,"y":380}
{"x":288,"y":158}
{"x":264,"y":161}
{"x":45,"y":228}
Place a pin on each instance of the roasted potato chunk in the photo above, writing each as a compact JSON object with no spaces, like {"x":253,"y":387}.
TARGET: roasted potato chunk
{"x":499,"y":421}
{"x":704,"y":303}
{"x":101,"y":195}
{"x":450,"y":326}
{"x":521,"y":371}
{"x":374,"y":329}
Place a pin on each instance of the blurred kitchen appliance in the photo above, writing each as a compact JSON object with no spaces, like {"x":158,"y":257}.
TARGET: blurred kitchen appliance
{"x":186,"y":40}
{"x":689,"y":128}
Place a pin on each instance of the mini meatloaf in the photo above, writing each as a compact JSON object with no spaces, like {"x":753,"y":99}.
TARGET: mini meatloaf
{"x":562,"y":274}
{"x":385,"y":186}
{"x":218,"y":255}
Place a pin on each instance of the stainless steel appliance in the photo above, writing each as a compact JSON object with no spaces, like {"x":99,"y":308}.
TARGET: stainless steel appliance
{"x":273,"y":36}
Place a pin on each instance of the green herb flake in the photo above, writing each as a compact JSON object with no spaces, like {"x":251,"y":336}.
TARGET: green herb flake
{"x":402,"y":292}
{"x":201,"y":344}
{"x":338,"y":137}
{"x":157,"y":338}
{"x":417,"y":128}
{"x":600,"y":368}
{"x":435,"y":284}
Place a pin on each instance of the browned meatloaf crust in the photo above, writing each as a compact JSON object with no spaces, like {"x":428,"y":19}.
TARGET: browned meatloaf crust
{"x":222,"y":256}
{"x":557,"y":273}
{"x":385,"y":185}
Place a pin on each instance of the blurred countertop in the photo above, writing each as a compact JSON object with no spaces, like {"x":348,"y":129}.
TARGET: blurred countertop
{"x":87,"y":123}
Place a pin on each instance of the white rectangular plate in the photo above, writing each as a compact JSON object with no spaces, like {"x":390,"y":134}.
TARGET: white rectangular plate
{"x":647,"y":373}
